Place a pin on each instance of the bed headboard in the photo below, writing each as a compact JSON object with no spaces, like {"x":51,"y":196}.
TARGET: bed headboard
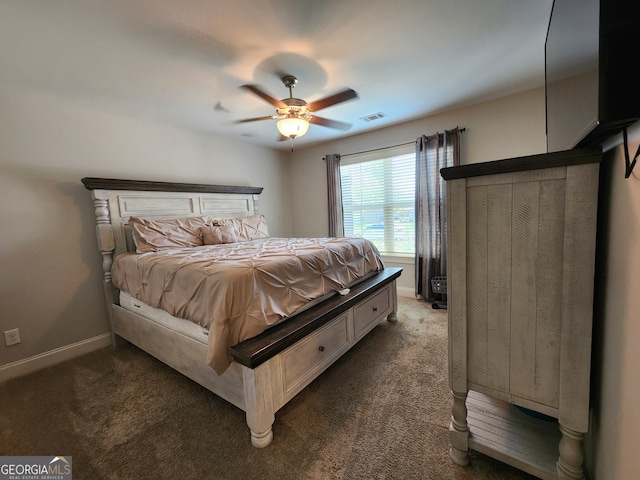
{"x":117,"y":200}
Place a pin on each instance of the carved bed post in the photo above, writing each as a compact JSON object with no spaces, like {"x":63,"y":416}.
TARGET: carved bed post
{"x":106,"y":245}
{"x":393,"y":316}
{"x":258,"y":395}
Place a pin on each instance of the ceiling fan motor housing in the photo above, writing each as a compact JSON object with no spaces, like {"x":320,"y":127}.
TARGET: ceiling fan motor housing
{"x":295,"y":107}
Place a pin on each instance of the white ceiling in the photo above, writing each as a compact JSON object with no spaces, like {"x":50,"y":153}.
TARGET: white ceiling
{"x":180,"y":62}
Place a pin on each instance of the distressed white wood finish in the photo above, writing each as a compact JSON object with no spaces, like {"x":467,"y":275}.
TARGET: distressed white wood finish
{"x":500,"y":430}
{"x":180,"y":352}
{"x":260,"y":391}
{"x":315,"y":353}
{"x":165,"y":205}
{"x":521,"y":251}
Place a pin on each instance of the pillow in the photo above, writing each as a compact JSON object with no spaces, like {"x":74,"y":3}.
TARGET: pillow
{"x":215,"y":235}
{"x":246,"y":228}
{"x":154,"y":235}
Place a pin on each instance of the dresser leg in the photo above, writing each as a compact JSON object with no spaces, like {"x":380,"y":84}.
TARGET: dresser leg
{"x":459,"y":430}
{"x":571,"y":456}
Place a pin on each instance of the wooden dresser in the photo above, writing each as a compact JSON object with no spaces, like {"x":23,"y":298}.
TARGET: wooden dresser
{"x":521,"y":253}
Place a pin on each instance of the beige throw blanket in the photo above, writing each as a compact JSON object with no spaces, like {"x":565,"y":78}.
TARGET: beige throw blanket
{"x":238,"y":290}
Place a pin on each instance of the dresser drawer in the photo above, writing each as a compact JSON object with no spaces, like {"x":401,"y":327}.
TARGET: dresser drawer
{"x":369,"y":313}
{"x":305,"y":360}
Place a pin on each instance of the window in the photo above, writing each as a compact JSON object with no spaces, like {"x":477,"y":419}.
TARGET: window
{"x":378,"y":198}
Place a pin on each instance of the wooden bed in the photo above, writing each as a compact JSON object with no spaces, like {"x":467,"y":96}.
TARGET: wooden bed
{"x":269,"y":369}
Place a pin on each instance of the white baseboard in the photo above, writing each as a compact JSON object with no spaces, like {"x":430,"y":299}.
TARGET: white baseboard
{"x":53,"y":357}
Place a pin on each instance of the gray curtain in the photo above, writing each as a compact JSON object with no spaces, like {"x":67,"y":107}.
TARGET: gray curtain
{"x":334,"y":193}
{"x":432,"y":153}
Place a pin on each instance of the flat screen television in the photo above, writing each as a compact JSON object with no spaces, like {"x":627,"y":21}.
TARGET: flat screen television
{"x":592,"y":71}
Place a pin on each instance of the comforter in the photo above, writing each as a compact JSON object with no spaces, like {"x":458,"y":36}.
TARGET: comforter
{"x":238,"y":290}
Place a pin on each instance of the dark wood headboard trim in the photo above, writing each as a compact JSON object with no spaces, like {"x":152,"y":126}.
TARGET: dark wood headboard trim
{"x":92,"y":183}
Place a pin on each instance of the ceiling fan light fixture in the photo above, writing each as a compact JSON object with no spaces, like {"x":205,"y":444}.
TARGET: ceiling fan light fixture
{"x":293,"y":127}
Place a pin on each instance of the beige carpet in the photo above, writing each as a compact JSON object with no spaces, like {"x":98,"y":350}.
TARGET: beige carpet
{"x":381,"y":412}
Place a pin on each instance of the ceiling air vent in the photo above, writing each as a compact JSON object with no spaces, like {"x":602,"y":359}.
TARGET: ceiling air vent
{"x":373,"y":116}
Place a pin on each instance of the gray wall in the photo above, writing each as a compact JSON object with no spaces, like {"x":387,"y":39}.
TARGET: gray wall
{"x":50,"y":280}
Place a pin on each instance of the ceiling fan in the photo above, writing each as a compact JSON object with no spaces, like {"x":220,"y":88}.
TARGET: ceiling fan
{"x":294,"y":114}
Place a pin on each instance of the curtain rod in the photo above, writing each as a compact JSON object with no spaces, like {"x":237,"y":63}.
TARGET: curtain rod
{"x":385,"y":148}
{"x":377,"y":149}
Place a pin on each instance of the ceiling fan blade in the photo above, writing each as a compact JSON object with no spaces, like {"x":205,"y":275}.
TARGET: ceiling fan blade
{"x":256,"y":90}
{"x":339,"y":97}
{"x":256,"y":119}
{"x":325,"y":122}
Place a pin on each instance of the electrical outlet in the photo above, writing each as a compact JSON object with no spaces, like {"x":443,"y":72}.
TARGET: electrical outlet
{"x":12,"y":337}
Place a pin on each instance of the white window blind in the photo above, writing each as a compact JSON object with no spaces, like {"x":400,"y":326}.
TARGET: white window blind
{"x":378,"y":198}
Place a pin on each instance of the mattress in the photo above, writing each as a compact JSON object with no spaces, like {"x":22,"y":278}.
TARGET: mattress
{"x":185,"y":327}
{"x":236,"y":291}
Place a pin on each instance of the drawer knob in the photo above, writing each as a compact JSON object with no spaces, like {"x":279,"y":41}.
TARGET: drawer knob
{"x":321,"y":348}
{"x":375,"y":309}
